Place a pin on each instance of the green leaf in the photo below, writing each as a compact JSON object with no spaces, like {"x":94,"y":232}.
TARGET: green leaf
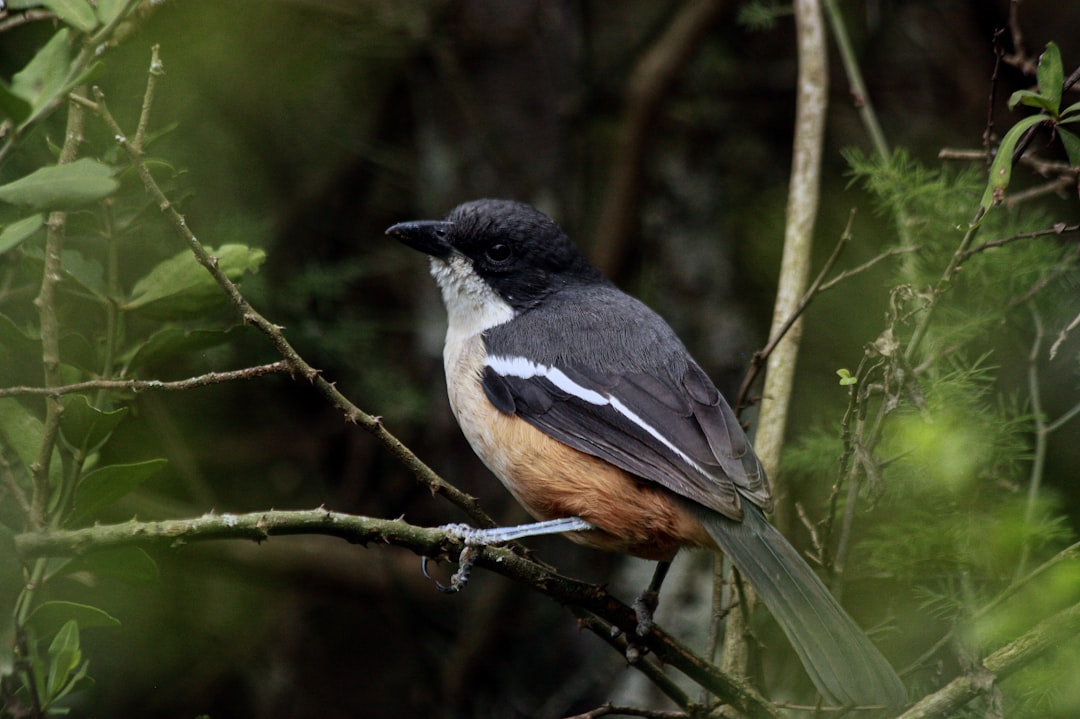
{"x":64,"y":659}
{"x":1033,"y":99}
{"x":1070,"y":110}
{"x":23,"y":432}
{"x":13,"y":235}
{"x":172,"y":341}
{"x":76,"y":13}
{"x":108,"y":10}
{"x":43,"y":77}
{"x":11,"y":585}
{"x":180,"y":288}
{"x":50,"y":617}
{"x":1001,"y":167}
{"x":127,"y":564}
{"x":12,"y":106}
{"x":1051,"y":76}
{"x":85,"y":427}
{"x":1072,"y":145}
{"x":87,"y":272}
{"x":104,"y":486}
{"x":845,"y":377}
{"x":57,"y":186}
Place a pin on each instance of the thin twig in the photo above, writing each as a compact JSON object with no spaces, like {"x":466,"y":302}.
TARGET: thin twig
{"x":7,"y":22}
{"x":1059,"y":229}
{"x":297,"y":364}
{"x":136,"y":385}
{"x":762,"y":355}
{"x":50,"y":325}
{"x":614,"y":709}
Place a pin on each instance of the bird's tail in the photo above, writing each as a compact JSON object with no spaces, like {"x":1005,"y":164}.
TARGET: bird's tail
{"x":845,"y":667}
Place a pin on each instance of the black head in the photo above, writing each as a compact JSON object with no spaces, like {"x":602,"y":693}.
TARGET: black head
{"x":518,"y":251}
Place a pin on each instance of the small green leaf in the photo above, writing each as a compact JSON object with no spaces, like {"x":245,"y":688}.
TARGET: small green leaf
{"x":1033,"y":99}
{"x":108,"y":10}
{"x":104,"y":486}
{"x":12,"y":106}
{"x":43,"y":77}
{"x":13,"y":235}
{"x":50,"y":617}
{"x":845,"y":377}
{"x":76,"y":13}
{"x":179,"y":288}
{"x":64,"y":659}
{"x":57,"y":186}
{"x":1072,"y":146}
{"x":88,"y":273}
{"x":1001,"y":167}
{"x":127,"y":564}
{"x":172,"y":341}
{"x":85,"y":427}
{"x":23,"y":433}
{"x":1051,"y":76}
{"x":1073,"y":109}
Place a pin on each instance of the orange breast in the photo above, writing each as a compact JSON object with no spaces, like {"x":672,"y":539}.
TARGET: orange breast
{"x":552,"y":480}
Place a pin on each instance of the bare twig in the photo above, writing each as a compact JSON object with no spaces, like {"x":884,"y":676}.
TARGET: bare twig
{"x":1019,"y":57}
{"x":1059,"y":229}
{"x":135,"y":385}
{"x":614,"y":709}
{"x":8,"y":21}
{"x":50,"y":325}
{"x":296,"y":363}
{"x":816,"y":287}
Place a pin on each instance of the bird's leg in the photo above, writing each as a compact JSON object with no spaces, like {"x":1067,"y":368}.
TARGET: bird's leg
{"x":646,"y":602}
{"x":498,"y":535}
{"x":474,"y":538}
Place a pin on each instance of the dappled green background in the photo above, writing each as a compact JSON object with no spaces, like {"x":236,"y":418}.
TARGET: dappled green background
{"x":306,"y":128}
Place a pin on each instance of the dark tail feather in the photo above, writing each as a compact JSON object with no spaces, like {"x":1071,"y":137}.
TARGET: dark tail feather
{"x":844,"y":666}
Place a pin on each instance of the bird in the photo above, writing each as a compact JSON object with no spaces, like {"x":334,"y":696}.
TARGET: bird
{"x":592,"y":413}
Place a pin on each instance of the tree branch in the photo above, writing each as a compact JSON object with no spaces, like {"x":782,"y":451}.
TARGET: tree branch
{"x":296,"y":363}
{"x":432,"y":542}
{"x":135,"y":385}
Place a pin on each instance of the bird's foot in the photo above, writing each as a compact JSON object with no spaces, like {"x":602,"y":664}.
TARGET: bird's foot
{"x":474,"y":539}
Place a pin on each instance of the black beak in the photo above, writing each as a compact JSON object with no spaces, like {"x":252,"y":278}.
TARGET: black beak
{"x":429,"y":236}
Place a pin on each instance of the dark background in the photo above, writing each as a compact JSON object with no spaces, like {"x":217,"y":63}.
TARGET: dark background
{"x":308,"y":128}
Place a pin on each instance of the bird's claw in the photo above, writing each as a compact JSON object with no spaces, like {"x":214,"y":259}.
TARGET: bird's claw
{"x":460,"y":578}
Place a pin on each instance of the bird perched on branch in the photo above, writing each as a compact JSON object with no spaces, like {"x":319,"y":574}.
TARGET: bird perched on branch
{"x":592,"y":413}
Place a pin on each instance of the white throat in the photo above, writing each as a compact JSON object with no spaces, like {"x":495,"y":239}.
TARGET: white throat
{"x":471,"y":305}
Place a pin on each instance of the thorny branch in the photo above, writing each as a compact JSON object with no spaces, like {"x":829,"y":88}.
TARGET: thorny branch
{"x":297,"y":364}
{"x":136,"y":385}
{"x":584,"y":599}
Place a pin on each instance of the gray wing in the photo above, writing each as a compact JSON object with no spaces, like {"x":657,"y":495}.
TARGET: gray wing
{"x":678,"y":432}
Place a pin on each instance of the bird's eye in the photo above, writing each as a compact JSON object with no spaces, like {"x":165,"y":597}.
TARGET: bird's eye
{"x":498,"y":252}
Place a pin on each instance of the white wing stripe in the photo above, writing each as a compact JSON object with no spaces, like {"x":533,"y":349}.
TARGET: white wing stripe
{"x":523,"y":368}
